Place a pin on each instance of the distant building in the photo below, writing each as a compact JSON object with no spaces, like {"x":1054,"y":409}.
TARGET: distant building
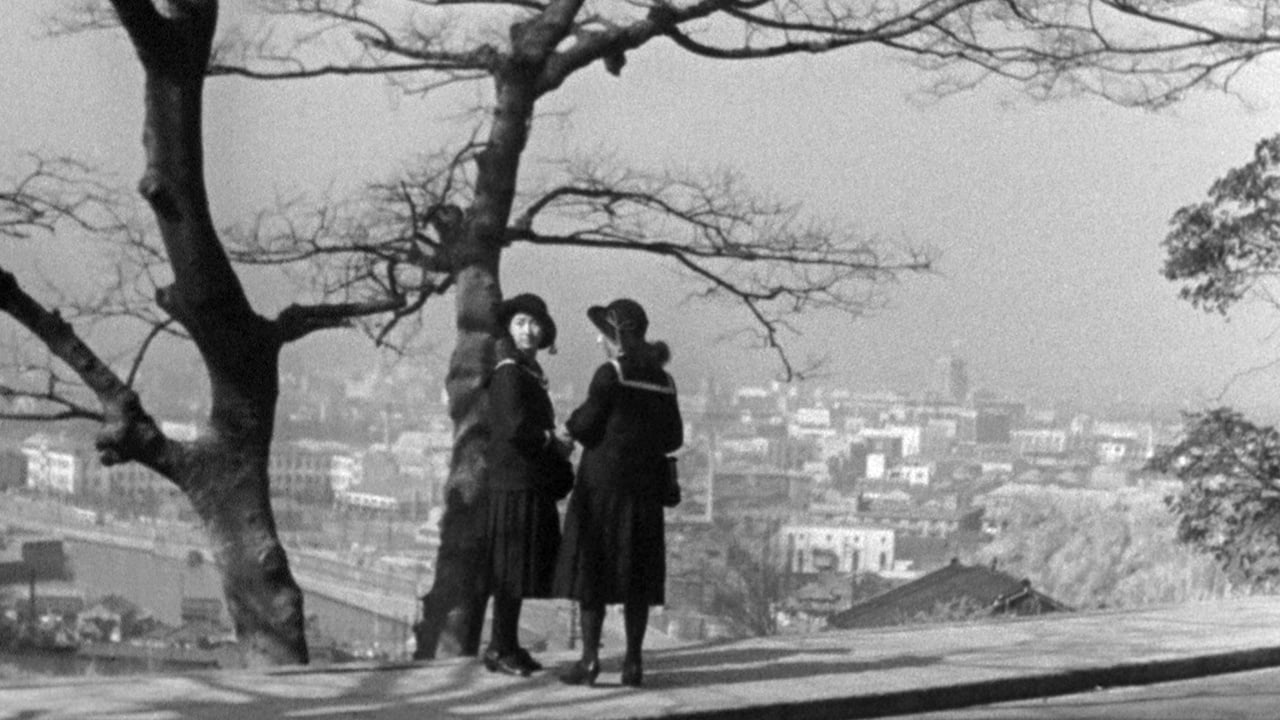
{"x":825,"y":548}
{"x":812,"y":422}
{"x":1039,"y":441}
{"x":1115,"y":450}
{"x":126,"y":479}
{"x":992,"y":426}
{"x":346,"y":472}
{"x":53,"y":465}
{"x":423,"y":458}
{"x":300,"y":470}
{"x":913,"y":474}
{"x":938,"y":436}
{"x":907,"y":439}
{"x":759,"y":492}
{"x":926,"y":521}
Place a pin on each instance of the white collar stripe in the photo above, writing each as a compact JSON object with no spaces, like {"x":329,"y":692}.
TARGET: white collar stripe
{"x":668,"y":389}
{"x":528,"y":370}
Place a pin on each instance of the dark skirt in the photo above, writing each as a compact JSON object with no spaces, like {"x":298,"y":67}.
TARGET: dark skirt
{"x":522,"y":537}
{"x":614,"y":549}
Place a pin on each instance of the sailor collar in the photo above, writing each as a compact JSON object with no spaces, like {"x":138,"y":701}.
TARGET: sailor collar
{"x":668,"y":389}
{"x":531,"y":369}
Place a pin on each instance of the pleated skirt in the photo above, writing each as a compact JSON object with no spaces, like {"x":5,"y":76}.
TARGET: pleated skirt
{"x":614,"y":549}
{"x":522,"y":540}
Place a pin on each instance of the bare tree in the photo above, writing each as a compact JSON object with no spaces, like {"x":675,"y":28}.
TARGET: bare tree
{"x":223,"y":473}
{"x":1144,"y":54}
{"x":730,"y":242}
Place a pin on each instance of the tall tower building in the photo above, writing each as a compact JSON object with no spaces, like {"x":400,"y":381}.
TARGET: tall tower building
{"x":954,"y":377}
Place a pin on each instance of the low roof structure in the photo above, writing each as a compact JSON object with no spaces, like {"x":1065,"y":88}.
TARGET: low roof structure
{"x":949,"y":593}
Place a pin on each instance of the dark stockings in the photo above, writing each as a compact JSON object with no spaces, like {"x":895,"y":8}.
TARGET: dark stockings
{"x":505,"y":637}
{"x":592,"y":621}
{"x":636,"y":617}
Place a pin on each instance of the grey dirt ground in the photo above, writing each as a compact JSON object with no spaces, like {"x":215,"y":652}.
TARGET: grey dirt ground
{"x":846,"y":674}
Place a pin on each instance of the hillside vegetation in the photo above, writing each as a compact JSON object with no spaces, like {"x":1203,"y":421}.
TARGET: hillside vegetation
{"x":1094,"y":549}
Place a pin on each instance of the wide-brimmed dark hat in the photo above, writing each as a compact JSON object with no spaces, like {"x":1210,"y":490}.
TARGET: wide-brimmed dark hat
{"x":531,"y":305}
{"x":623,"y":316}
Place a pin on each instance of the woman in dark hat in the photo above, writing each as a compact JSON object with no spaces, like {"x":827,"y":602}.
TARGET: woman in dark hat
{"x":528,"y":471}
{"x":614,"y":550}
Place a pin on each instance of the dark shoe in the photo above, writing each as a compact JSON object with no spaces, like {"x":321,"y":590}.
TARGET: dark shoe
{"x":526,"y":660}
{"x":581,"y":673}
{"x":506,"y":663}
{"x":632,"y":673}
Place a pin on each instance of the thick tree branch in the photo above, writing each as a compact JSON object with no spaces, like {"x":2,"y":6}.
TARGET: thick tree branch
{"x":297,"y":321}
{"x":128,"y":432}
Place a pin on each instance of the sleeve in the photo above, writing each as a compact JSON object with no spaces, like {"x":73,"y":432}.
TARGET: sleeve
{"x":586,"y":423}
{"x":673,"y":435}
{"x":510,"y":417}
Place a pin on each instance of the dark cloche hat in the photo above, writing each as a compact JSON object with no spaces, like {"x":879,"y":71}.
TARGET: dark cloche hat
{"x":531,"y":305}
{"x":623,"y":316}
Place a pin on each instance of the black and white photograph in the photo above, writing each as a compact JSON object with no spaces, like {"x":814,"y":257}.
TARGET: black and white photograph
{"x":620,"y":359}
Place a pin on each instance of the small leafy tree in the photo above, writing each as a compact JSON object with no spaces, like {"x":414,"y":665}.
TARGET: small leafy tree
{"x":1225,"y":250}
{"x":1229,"y":505}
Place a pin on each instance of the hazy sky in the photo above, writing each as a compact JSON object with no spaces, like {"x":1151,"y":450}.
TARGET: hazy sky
{"x":1048,"y":217}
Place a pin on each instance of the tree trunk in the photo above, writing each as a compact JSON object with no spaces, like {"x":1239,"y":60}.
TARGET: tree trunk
{"x":229,"y":487}
{"x":453,"y":611}
{"x":224,"y":474}
{"x":229,"y":491}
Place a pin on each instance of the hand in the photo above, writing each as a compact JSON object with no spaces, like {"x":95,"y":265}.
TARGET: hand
{"x":563,"y":443}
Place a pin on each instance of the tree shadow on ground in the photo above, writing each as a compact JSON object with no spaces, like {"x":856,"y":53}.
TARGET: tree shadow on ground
{"x":461,"y":690}
{"x":453,"y":688}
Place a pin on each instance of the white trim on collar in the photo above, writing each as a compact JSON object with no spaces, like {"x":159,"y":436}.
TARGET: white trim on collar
{"x":668,"y":389}
{"x":542,"y":379}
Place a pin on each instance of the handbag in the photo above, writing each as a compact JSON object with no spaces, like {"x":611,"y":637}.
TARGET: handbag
{"x":557,"y":475}
{"x":670,"y":484}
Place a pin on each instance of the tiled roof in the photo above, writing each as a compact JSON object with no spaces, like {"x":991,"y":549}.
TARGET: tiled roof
{"x":975,"y":585}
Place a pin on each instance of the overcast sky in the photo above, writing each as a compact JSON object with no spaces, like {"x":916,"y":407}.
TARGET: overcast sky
{"x":1048,"y":217}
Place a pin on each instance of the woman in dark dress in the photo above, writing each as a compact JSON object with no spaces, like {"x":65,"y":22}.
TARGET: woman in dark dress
{"x":614,"y":549}
{"x":528,"y":471}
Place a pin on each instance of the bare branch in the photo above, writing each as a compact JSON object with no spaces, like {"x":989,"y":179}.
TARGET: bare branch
{"x":54,"y":190}
{"x":145,"y":345}
{"x":373,"y":261}
{"x":70,"y":409}
{"x":731,"y":243}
